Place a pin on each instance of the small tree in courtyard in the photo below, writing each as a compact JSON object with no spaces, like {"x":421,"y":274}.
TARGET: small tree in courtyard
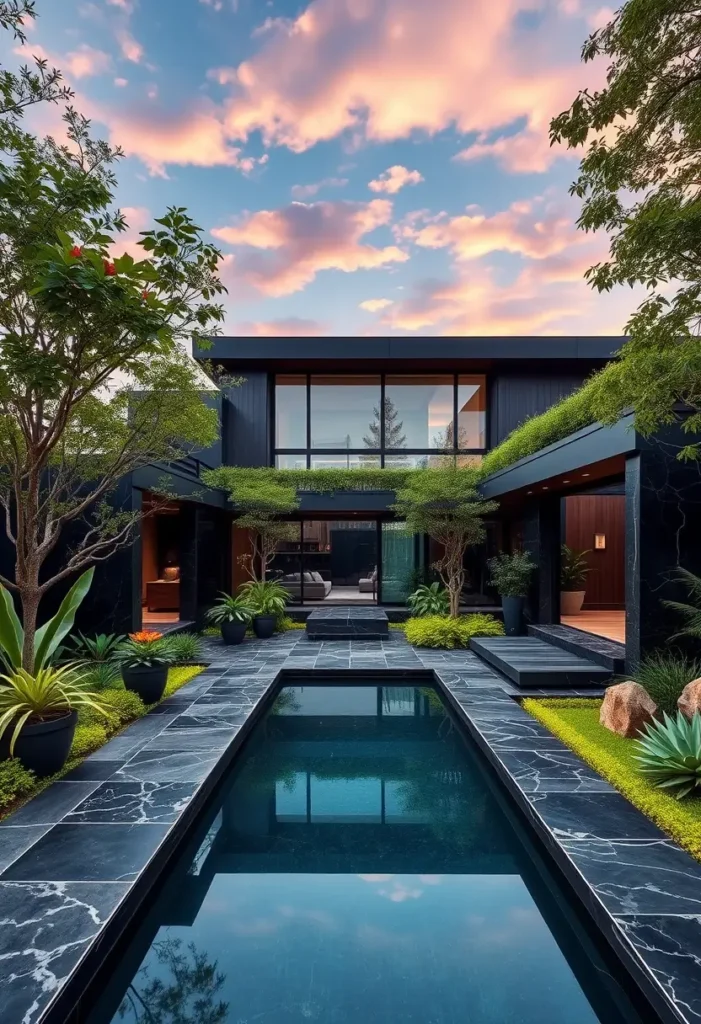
{"x":445,"y":504}
{"x":94,"y":381}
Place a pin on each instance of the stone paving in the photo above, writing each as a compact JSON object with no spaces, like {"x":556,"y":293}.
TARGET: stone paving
{"x":76,"y":858}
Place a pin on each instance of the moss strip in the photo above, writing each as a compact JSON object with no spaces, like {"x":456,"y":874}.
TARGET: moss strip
{"x":576,"y":723}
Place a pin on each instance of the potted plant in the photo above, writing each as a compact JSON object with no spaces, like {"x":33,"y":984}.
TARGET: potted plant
{"x":573,"y":578}
{"x":144,"y":658}
{"x":38,"y":715}
{"x":267,"y":600}
{"x":233,"y":614}
{"x":511,"y":576}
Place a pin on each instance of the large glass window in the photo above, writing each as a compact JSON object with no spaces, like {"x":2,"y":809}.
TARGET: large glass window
{"x":291,"y":411}
{"x":471,"y":412}
{"x":346,"y":460}
{"x":419,"y":411}
{"x":345,"y":412}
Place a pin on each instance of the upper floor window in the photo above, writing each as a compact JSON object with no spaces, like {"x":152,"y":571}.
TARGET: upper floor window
{"x":377,"y":419}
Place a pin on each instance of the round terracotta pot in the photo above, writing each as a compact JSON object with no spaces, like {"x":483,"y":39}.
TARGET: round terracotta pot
{"x":233,"y":632}
{"x":264,"y":626}
{"x":571,"y":601}
{"x":149,"y":681}
{"x":43,"y":747}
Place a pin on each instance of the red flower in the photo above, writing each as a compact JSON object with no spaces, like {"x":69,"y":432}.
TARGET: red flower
{"x":75,"y":252}
{"x":145,"y":294}
{"x":110,"y":269}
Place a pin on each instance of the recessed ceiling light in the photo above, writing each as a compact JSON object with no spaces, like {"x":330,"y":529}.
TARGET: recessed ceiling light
{"x":565,"y":481}
{"x":546,"y":488}
{"x":529,"y":492}
{"x":585,"y":474}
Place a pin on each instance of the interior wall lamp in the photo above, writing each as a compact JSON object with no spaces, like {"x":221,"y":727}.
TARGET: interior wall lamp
{"x":599,"y":541}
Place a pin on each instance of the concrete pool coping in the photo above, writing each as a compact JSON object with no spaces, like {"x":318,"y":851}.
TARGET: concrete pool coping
{"x":113,"y":824}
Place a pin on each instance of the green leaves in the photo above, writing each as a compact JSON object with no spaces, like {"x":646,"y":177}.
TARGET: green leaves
{"x":669,"y":753}
{"x":11,"y":632}
{"x":511,"y":574}
{"x":50,"y":635}
{"x":429,"y":599}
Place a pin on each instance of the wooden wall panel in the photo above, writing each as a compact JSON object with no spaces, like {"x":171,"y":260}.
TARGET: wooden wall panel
{"x":586,"y":515}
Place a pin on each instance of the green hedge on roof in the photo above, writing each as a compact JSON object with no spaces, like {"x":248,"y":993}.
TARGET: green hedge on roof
{"x":567,"y":416}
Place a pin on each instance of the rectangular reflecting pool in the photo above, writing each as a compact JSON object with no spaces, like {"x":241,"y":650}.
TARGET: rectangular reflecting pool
{"x":359,"y":866}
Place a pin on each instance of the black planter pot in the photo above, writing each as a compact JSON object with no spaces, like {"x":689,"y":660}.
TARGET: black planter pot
{"x":264,"y":626}
{"x":233,"y":632}
{"x":149,"y":681}
{"x":512,"y":608}
{"x":43,"y":747}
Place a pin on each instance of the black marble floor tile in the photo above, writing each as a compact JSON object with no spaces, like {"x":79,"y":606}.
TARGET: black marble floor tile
{"x":46,"y":928}
{"x":212,"y":739}
{"x":517,"y":734}
{"x":593,"y":816}
{"x":134,"y":802}
{"x":88,"y":853}
{"x":640,"y":877}
{"x":543,"y":771}
{"x":203,"y":716}
{"x":168,"y":766}
{"x":50,"y":805}
{"x":670,"y":947}
{"x":15,"y":839}
{"x":94,"y":770}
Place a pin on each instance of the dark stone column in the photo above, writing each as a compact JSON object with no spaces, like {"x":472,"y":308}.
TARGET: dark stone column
{"x":663,"y":502}
{"x":205,"y":558}
{"x":541,"y":538}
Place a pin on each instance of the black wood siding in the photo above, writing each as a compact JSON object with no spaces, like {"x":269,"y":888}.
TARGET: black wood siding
{"x":514,"y":398}
{"x":246,"y":422}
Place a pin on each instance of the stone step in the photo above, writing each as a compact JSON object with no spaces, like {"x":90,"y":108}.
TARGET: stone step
{"x":343,"y":622}
{"x":533,"y":664}
{"x":599,"y":649}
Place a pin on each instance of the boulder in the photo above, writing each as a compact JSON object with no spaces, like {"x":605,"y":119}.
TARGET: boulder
{"x":690,"y":701}
{"x":626,"y":708}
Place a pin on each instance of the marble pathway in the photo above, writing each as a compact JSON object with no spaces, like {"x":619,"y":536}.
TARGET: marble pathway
{"x":71,"y":858}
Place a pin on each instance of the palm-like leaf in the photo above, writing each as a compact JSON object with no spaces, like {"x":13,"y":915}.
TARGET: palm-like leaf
{"x":669,"y":753}
{"x":11,"y":632}
{"x":429,"y":600}
{"x":49,"y":691}
{"x":52,"y":632}
{"x":265,"y":597}
{"x":689,"y":612}
{"x":230,"y":608}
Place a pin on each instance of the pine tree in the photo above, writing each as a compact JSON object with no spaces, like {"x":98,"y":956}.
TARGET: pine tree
{"x":394,"y":438}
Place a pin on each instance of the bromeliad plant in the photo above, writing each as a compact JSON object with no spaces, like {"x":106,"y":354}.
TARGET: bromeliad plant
{"x":49,"y":693}
{"x":48,"y":638}
{"x":146,"y":649}
{"x":430,"y":599}
{"x":669,"y":753}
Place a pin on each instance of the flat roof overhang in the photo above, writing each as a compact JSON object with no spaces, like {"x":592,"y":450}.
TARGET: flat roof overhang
{"x":340,"y":354}
{"x":593,"y":455}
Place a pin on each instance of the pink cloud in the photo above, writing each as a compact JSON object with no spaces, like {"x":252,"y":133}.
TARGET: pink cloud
{"x":285,"y":327}
{"x":395,"y":178}
{"x":86,"y":61}
{"x":138,"y":219}
{"x":375,"y":305}
{"x":131,"y":49}
{"x":385,"y":71}
{"x":307,"y":191}
{"x":121,"y":82}
{"x":298,"y":241}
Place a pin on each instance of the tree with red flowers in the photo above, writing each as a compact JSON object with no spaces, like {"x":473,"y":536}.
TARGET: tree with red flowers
{"x":94,"y":377}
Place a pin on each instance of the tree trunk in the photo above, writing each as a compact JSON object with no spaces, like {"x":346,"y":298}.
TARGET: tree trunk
{"x":29,"y":596}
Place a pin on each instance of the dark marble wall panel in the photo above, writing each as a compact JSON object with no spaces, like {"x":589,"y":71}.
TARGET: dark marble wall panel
{"x":539,"y":533}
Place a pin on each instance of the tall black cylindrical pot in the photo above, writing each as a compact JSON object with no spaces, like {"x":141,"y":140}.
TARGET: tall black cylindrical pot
{"x":264,"y":626}
{"x":512,"y":608}
{"x":233,"y":632}
{"x":43,"y":747}
{"x":149,"y":681}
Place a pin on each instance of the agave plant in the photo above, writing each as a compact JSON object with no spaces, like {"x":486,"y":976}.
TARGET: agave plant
{"x":49,"y":636}
{"x":230,"y":608}
{"x":669,"y":753}
{"x":43,"y":695}
{"x":429,"y":600}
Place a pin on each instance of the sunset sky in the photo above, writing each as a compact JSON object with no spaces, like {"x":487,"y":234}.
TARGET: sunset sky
{"x":369,"y":167}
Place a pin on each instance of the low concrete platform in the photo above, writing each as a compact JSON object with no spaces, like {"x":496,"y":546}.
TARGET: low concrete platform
{"x":608,"y":653}
{"x":533,"y":664}
{"x":347,"y":623}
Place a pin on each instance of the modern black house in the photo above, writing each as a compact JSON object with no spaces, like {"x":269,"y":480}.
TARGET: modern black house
{"x":407,"y":403}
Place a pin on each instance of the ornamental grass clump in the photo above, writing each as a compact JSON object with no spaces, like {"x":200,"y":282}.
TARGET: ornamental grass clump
{"x":447,"y":632}
{"x":669,"y":754}
{"x":186,"y":648}
{"x":664,"y":676}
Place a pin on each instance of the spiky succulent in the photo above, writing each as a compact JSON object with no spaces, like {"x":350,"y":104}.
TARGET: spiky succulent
{"x":669,"y":753}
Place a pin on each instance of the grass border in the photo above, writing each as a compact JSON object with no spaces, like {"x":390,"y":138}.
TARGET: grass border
{"x":665,"y":811}
{"x":186,"y":673}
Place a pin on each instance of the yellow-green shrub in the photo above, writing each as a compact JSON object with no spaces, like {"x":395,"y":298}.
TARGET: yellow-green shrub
{"x":15,"y":781}
{"x":88,"y":738}
{"x":442,"y":631}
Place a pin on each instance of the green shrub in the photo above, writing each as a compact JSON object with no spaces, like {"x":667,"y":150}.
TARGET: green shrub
{"x":432,"y":599}
{"x":15,"y":781}
{"x":87,"y":739}
{"x":511,"y":575}
{"x":180,"y":675}
{"x":441,"y":631}
{"x":285,"y":624}
{"x":125,"y":704}
{"x":569,"y":415}
{"x":669,"y":754}
{"x":212,"y":631}
{"x":664,"y":676}
{"x":186,"y":647}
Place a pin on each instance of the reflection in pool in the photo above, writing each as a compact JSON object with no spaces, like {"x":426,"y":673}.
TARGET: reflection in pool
{"x":359,"y":870}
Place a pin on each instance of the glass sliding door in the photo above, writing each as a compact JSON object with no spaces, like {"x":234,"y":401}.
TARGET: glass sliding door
{"x":399,"y":564}
{"x":339,"y":561}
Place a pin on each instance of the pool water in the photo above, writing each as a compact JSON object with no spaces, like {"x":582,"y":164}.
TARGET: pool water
{"x":360,"y":868}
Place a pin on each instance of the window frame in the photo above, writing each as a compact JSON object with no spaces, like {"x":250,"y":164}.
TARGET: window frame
{"x":383,"y":453}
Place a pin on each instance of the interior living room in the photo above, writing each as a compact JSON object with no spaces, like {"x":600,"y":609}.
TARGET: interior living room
{"x":330,"y":562}
{"x":160,"y":562}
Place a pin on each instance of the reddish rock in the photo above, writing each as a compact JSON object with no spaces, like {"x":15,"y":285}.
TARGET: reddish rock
{"x":626,"y":708}
{"x":690,"y":701}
